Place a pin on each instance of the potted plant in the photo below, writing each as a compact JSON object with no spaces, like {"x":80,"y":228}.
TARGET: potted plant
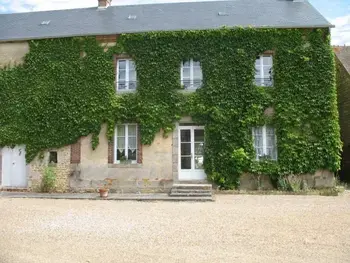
{"x":104,"y":190}
{"x":124,"y":160}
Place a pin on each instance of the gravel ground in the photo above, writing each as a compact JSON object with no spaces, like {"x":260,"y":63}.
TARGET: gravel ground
{"x":235,"y":228}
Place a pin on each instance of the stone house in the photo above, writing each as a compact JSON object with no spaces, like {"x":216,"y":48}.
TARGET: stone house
{"x":168,"y":160}
{"x":343,"y":87}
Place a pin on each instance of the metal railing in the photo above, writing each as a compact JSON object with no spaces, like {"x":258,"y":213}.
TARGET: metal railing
{"x":191,"y":84}
{"x":126,"y":85}
{"x":263,"y":82}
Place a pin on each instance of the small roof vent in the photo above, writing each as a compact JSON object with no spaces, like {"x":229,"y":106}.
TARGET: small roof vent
{"x":45,"y":23}
{"x":132,"y":17}
{"x":222,"y":14}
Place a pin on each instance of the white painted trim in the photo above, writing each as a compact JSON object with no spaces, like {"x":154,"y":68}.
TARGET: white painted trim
{"x":126,"y":127}
{"x":264,"y":139}
{"x":197,"y":174}
{"x":127,"y":75}
{"x":191,"y":73}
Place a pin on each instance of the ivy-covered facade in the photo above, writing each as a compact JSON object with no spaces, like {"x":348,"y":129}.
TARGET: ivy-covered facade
{"x":146,"y":110}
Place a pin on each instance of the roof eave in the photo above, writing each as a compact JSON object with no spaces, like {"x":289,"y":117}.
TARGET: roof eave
{"x":133,"y":32}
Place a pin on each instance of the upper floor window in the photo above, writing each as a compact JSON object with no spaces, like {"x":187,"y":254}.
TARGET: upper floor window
{"x":264,"y":139}
{"x":263,"y":71}
{"x":126,"y":143}
{"x":126,"y":75}
{"x":191,"y":74}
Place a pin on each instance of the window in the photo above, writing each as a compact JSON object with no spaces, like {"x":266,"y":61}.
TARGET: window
{"x":126,"y":75}
{"x":126,"y":143}
{"x":265,"y":142}
{"x":263,"y":71}
{"x":191,"y":74}
{"x":52,"y":157}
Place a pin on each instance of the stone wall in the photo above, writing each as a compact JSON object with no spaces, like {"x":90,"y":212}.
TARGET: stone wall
{"x":62,"y":169}
{"x":13,"y":53}
{"x":318,"y":180}
{"x":153,"y":174}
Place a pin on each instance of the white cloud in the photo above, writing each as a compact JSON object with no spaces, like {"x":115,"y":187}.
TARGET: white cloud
{"x":341,"y":32}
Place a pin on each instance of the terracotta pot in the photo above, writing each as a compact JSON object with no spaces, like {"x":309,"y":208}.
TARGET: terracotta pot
{"x":103,"y":192}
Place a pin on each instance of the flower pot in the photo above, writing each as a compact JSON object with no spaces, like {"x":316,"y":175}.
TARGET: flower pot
{"x":103,"y":193}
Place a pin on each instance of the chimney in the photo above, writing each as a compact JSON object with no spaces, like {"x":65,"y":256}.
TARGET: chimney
{"x":104,"y":3}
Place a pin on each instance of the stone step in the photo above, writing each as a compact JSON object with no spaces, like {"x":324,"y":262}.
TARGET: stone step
{"x":190,"y":194}
{"x":194,"y":190}
{"x":187,"y":190}
{"x":193,"y":186}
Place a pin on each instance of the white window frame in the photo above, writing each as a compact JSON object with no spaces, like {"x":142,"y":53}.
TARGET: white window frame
{"x":126,"y":125}
{"x":261,"y":80}
{"x":264,"y":138}
{"x":191,"y":74}
{"x":127,"y":75}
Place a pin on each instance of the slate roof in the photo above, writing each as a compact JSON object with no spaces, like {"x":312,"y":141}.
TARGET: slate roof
{"x":343,"y":54}
{"x":161,"y":17}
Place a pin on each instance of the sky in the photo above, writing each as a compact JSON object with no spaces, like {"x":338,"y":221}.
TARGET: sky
{"x":336,"y":11}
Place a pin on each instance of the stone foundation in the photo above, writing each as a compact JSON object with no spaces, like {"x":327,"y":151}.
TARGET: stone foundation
{"x":321,"y":179}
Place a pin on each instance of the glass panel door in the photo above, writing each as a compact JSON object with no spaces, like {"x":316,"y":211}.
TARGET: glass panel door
{"x":198,"y":148}
{"x":191,"y":153}
{"x":186,"y":149}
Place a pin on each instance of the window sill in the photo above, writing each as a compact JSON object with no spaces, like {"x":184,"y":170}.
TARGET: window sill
{"x":187,"y":90}
{"x":125,"y":165}
{"x":126,"y":91}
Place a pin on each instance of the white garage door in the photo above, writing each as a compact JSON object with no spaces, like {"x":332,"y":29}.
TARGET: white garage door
{"x":14,"y":167}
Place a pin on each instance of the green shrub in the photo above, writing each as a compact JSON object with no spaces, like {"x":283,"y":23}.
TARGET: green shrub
{"x":49,"y":180}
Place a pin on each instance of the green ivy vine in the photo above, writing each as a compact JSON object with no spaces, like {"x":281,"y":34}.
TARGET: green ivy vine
{"x":65,"y":89}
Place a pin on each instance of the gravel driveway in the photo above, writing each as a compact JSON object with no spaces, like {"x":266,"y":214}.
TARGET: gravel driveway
{"x":232,"y":229}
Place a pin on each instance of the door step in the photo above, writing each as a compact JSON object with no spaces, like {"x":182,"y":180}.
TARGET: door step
{"x":13,"y":189}
{"x":195,"y":190}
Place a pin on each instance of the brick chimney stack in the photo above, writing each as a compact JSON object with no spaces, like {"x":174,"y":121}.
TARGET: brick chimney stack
{"x":104,"y":3}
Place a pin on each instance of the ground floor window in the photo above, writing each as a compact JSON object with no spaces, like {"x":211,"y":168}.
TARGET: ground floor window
{"x":265,"y":145}
{"x":126,"y":143}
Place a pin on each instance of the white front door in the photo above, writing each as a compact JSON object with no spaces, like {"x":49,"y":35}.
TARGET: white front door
{"x":191,"y":151}
{"x":14,"y":167}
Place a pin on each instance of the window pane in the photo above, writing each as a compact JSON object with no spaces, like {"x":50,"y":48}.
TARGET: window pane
{"x":122,"y":64}
{"x":196,"y":64}
{"x":121,"y":142}
{"x":199,"y":135}
{"x":121,"y":85}
{"x":132,"y":143}
{"x":185,"y":135}
{"x":199,"y":148}
{"x":132,"y":75}
{"x":186,"y":64}
{"x":120,"y":130}
{"x":132,"y":154}
{"x":121,"y":75}
{"x":267,"y":71}
{"x":185,"y":148}
{"x":186,"y":73}
{"x":120,"y":154}
{"x":257,"y":62}
{"x":267,"y":60}
{"x":257,"y":130}
{"x":132,"y":65}
{"x":270,"y":130}
{"x":198,"y":161}
{"x":185,"y":163}
{"x":259,"y":152}
{"x":197,"y":73}
{"x":132,"y":85}
{"x":132,"y":130}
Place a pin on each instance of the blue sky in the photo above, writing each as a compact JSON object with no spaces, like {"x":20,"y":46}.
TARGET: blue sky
{"x":336,"y":11}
